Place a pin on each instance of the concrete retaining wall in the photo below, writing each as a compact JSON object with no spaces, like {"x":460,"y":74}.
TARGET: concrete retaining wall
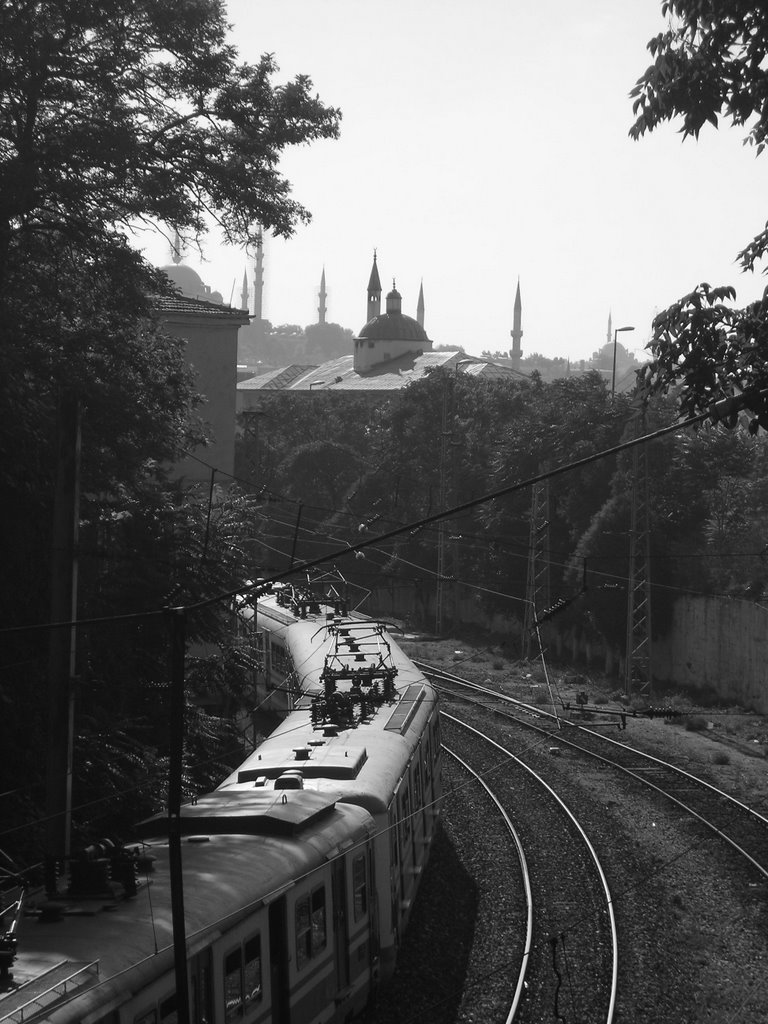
{"x":719,"y":645}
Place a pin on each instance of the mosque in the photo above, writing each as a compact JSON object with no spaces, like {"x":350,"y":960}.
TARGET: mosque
{"x":391,"y":350}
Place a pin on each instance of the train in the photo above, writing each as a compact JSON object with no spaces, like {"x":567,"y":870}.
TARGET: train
{"x":299,"y":871}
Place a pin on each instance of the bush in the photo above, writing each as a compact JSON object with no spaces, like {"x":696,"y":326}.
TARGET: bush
{"x":696,"y":723}
{"x":721,"y":757}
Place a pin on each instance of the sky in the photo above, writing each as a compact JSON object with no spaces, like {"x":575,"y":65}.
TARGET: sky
{"x":485,"y":142}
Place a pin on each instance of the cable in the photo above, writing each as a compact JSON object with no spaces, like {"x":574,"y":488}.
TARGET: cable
{"x":435,"y":517}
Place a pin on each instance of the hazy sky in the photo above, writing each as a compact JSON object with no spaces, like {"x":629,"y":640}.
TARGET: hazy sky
{"x":484,"y":141}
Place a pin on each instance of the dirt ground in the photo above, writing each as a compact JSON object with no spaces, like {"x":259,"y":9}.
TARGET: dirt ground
{"x":724,"y":744}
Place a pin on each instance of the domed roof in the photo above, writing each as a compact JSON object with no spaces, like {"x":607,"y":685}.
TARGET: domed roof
{"x":185,"y":278}
{"x":393,"y":327}
{"x":189,"y":282}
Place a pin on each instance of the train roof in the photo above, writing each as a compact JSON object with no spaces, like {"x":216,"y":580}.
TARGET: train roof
{"x":231,"y":866}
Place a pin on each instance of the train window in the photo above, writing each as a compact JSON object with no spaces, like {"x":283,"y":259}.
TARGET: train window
{"x":395,"y":846}
{"x":405,"y":814}
{"x":233,"y":984}
{"x":417,"y":799}
{"x":242,"y":978}
{"x":310,"y":926}
{"x":318,"y":920}
{"x":359,"y":887}
{"x":168,"y":1013}
{"x":252,"y":971}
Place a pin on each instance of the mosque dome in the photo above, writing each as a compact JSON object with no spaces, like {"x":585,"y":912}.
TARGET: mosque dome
{"x":393,"y":327}
{"x":189,"y":283}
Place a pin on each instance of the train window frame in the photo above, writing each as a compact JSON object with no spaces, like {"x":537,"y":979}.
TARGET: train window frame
{"x":242,"y":956}
{"x":359,"y":887}
{"x":394,"y":832}
{"x":418,"y":789}
{"x":234,"y":1011}
{"x":405,"y":813}
{"x":310,"y":926}
{"x":254,"y":942}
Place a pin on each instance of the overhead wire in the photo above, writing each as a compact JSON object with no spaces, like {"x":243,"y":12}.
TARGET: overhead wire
{"x":364,"y":544}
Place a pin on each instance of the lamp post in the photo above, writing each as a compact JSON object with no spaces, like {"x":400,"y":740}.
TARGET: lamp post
{"x":616,"y":334}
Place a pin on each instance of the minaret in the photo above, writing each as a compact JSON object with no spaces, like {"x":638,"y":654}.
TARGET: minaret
{"x":321,"y":309}
{"x":258,"y":276}
{"x":176,"y":247}
{"x":244,"y":292}
{"x":517,"y":330}
{"x":374,"y":292}
{"x":420,"y":306}
{"x":609,"y":336}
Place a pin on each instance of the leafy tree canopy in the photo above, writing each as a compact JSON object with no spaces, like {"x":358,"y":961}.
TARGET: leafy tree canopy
{"x":709,"y":63}
{"x":122,"y":111}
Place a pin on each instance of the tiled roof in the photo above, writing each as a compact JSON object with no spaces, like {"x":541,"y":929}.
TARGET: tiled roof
{"x":340,"y":375}
{"x":170,"y":304}
{"x":275,"y":380}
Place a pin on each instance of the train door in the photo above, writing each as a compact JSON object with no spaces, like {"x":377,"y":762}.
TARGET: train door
{"x":278,"y":962}
{"x":340,"y":923}
{"x":201,"y":978}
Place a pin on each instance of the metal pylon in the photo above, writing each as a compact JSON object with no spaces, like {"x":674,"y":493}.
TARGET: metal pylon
{"x":442,"y":526}
{"x":638,"y":665}
{"x":537,"y":591}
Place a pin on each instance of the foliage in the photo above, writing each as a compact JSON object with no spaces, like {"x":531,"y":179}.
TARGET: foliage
{"x":118,"y":112}
{"x":710,"y":62}
{"x":705,"y":348}
{"x":497,"y":431}
{"x":140,"y":550}
{"x":114,"y":116}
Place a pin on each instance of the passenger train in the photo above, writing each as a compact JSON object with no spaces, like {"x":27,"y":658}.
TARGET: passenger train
{"x":299,"y":870}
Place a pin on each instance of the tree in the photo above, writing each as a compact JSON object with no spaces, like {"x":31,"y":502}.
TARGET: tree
{"x":115,"y":115}
{"x":710,"y":62}
{"x":126,"y":111}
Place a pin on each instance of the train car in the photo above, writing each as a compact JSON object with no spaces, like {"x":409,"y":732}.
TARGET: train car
{"x":299,"y":870}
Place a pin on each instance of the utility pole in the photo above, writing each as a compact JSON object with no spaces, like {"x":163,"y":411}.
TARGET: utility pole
{"x":442,"y":526}
{"x":62,"y":644}
{"x":177,"y":620}
{"x":537,"y":590}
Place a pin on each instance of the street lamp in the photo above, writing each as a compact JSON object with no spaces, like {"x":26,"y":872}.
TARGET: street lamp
{"x":615,"y":340}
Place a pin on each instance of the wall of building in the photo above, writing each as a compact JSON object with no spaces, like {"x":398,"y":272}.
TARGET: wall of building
{"x":211,"y":351}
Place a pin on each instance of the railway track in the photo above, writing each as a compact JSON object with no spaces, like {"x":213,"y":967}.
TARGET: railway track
{"x":516,"y":920}
{"x":742,"y":828}
{"x":568,"y":966}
